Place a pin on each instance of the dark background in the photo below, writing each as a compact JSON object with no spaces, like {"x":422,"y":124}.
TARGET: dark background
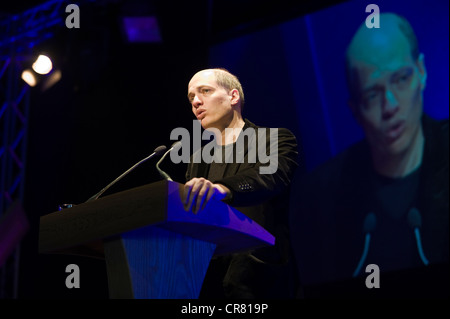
{"x":117,"y":101}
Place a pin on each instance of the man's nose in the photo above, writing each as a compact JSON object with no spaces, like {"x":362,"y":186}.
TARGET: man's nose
{"x":196,"y":102}
{"x":390,"y":104}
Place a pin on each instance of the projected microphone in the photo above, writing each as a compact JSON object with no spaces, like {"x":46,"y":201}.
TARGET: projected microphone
{"x":415,"y":221}
{"x":157,"y":151}
{"x":175,"y":146}
{"x":369,"y":226}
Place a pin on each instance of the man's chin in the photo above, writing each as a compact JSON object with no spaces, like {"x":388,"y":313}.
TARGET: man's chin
{"x":397,"y":147}
{"x":205,"y":124}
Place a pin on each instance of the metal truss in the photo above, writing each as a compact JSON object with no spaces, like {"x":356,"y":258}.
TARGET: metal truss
{"x":13,"y":129}
{"x":18,"y":35}
{"x":25,"y":30}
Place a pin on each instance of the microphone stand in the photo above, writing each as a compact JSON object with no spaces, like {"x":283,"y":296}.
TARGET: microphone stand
{"x":157,"y":151}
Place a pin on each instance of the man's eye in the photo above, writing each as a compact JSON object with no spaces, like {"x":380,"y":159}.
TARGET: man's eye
{"x":370,"y":96}
{"x":403,"y":77}
{"x":206,"y":90}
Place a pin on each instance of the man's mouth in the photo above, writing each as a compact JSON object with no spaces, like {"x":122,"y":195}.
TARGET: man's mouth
{"x":201,"y":114}
{"x":395,"y":131}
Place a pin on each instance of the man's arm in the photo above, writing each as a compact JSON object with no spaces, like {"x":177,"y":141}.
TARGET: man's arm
{"x":250,"y":187}
{"x":247,"y":187}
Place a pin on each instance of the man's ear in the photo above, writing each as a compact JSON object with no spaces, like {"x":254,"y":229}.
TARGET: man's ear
{"x":235,"y":97}
{"x":422,"y":71}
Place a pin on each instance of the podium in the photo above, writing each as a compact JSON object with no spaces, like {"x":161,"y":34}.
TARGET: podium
{"x":152,"y":246}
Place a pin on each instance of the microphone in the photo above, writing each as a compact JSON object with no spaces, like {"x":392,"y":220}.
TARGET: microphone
{"x":175,"y":146}
{"x":157,"y":151}
{"x":369,"y":226}
{"x":415,"y":222}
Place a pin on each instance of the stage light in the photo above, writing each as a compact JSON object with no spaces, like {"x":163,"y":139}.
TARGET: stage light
{"x":142,"y":29}
{"x":51,"y":80}
{"x":42,"y":73}
{"x":43,"y":64}
{"x":29,"y":77}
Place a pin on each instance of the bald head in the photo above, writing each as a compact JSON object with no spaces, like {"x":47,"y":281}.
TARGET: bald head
{"x":379,"y":46}
{"x":226,"y":80}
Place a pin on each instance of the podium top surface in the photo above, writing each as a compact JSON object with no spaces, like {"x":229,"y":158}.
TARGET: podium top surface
{"x":157,"y":204}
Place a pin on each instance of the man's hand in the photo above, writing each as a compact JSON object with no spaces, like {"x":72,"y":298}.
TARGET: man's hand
{"x":198,"y":191}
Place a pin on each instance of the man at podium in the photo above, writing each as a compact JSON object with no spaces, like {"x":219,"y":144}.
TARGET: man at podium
{"x":242,"y":174}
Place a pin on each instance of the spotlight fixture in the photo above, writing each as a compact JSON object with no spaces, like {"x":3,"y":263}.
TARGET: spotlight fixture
{"x":42,"y":73}
{"x":142,"y":29}
{"x":29,"y":77}
{"x":42,"y":65}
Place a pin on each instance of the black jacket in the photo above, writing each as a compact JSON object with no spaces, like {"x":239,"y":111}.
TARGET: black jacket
{"x":327,"y":225}
{"x":264,"y":198}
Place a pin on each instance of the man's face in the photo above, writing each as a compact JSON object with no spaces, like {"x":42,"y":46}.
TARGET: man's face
{"x":211,"y":104}
{"x":388,"y":103}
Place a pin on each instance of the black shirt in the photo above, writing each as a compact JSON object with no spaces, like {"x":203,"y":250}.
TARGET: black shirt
{"x":393,"y":244}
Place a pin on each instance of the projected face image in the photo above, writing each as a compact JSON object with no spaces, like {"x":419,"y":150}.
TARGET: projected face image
{"x":388,"y":85}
